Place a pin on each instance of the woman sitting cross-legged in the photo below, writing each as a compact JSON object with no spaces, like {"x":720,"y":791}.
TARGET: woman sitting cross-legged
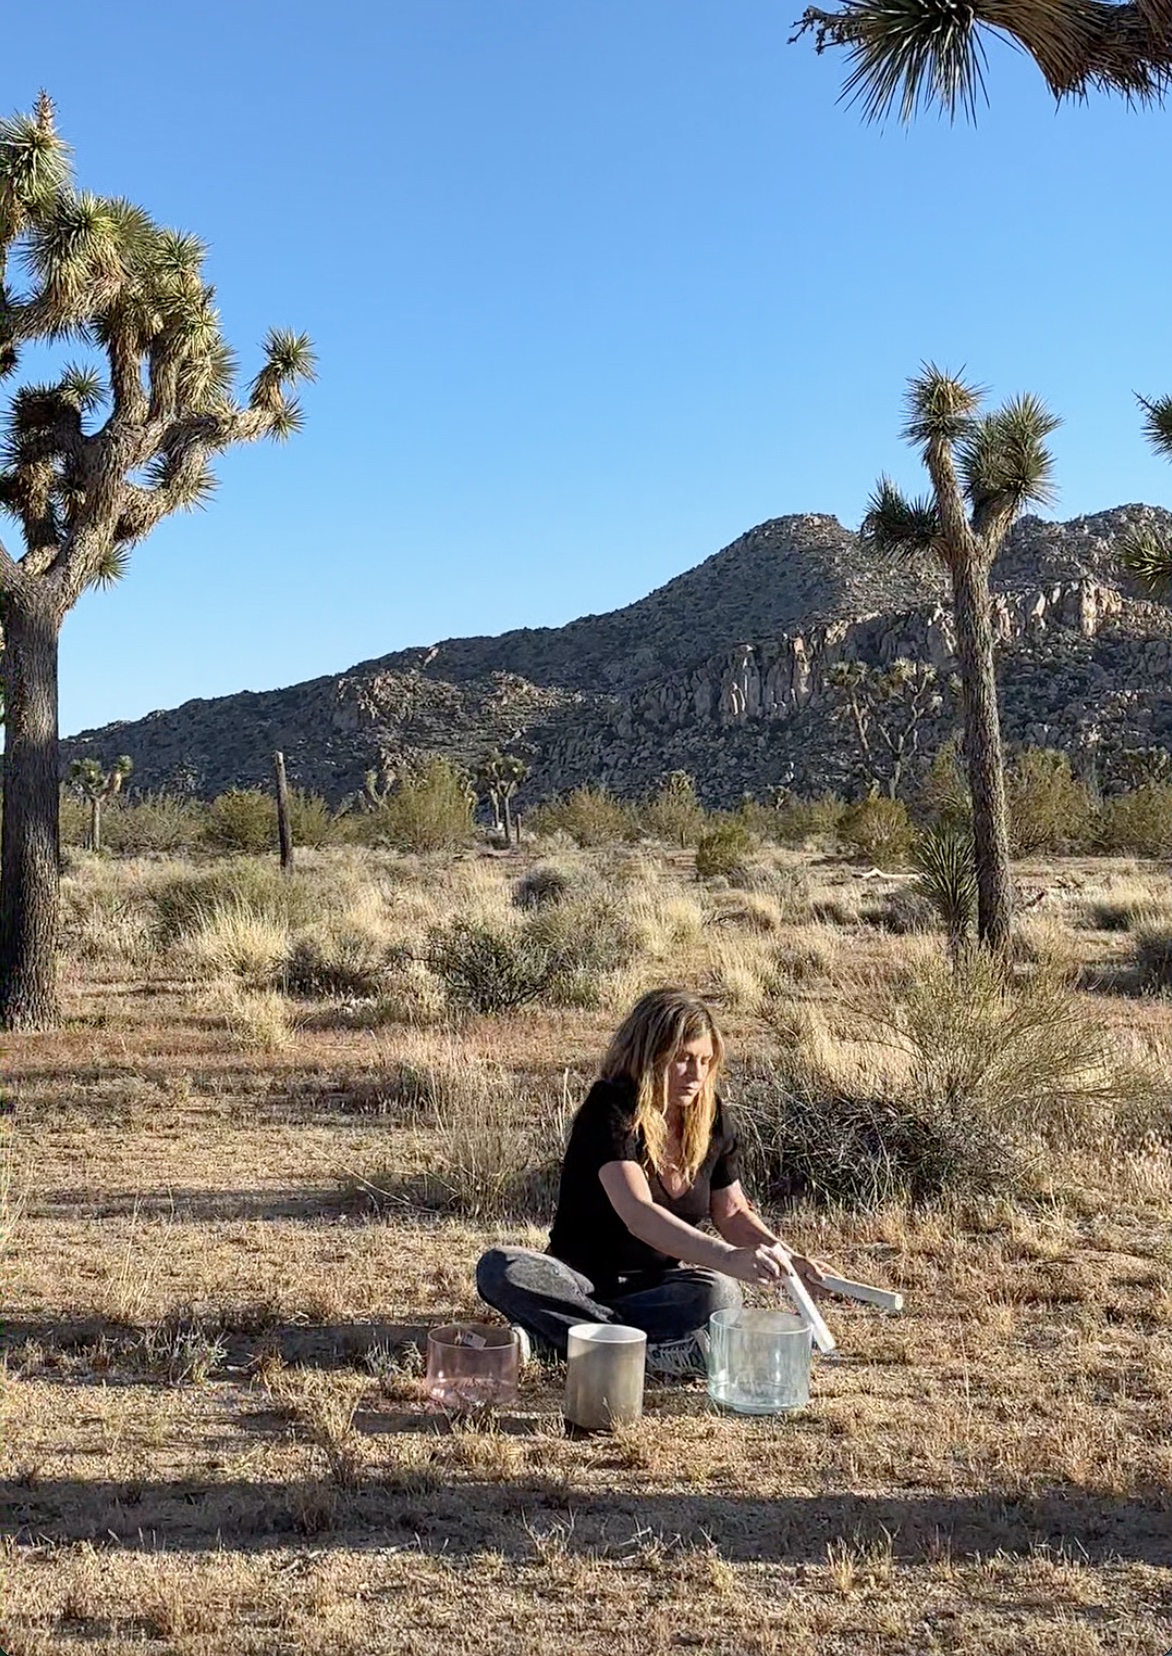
{"x":651,"y":1156}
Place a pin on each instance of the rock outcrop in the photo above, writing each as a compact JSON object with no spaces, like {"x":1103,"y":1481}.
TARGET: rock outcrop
{"x":721,"y":672}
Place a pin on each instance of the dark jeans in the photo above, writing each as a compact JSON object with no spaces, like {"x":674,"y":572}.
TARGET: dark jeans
{"x":547,"y":1297}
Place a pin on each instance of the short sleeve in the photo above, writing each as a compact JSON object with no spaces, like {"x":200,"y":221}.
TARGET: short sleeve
{"x":726,"y":1170}
{"x":609,"y":1126}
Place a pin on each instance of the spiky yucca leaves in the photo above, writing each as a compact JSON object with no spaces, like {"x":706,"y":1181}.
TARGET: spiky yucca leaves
{"x":906,"y":56}
{"x":946,"y":875}
{"x":90,"y":463}
{"x":1146,"y":553}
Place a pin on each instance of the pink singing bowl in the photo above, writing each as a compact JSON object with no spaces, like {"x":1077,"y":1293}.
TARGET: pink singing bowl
{"x":472,"y":1366}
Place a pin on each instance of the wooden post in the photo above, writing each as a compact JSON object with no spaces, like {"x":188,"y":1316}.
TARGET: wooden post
{"x":284,"y":832}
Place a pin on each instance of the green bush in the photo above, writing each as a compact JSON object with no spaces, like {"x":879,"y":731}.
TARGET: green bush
{"x":243,"y":819}
{"x":1050,"y":810}
{"x":242,"y":886}
{"x":807,"y":1141}
{"x":540,"y":886}
{"x":327,"y":963}
{"x":1153,"y":958}
{"x":590,"y":934}
{"x":794,"y":821}
{"x":154,"y":823}
{"x":674,"y":813}
{"x":311,"y":821}
{"x":589,"y":816}
{"x":484,"y":969}
{"x":878,"y":828}
{"x":430,"y":810}
{"x":1139,"y":822}
{"x":944,"y":791}
{"x":724,"y":850}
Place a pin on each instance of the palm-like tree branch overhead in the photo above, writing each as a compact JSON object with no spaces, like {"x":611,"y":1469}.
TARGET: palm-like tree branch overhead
{"x":904,"y":56}
{"x":90,"y":462}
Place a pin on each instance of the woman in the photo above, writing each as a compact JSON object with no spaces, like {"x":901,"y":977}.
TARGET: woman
{"x":651,"y":1156}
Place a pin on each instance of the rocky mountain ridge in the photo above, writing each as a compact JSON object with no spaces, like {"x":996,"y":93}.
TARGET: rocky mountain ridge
{"x":721,"y":671}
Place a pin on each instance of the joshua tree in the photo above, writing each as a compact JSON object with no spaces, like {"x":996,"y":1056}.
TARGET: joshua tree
{"x":1147,"y":554}
{"x":913,"y":54}
{"x":984,"y":469}
{"x":90,"y":462}
{"x":87,"y":778}
{"x":886,"y":708}
{"x":499,"y":775}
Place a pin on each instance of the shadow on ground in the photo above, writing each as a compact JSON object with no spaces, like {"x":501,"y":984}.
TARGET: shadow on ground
{"x":461,"y":1519}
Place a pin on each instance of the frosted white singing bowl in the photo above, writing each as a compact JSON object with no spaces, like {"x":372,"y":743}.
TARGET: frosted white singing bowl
{"x":472,"y":1366}
{"x":604,"y":1375}
{"x":758,"y":1361}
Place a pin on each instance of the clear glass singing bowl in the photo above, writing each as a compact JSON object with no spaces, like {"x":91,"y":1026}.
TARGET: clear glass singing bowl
{"x":758,"y":1361}
{"x":472,"y":1366}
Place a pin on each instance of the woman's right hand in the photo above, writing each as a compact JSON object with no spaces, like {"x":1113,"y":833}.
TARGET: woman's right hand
{"x":757,"y":1264}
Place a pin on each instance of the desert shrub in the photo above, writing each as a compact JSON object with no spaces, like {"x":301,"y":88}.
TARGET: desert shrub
{"x":878,"y":828}
{"x":74,"y":819}
{"x":183,"y":903}
{"x":674,"y":813}
{"x":243,"y":819}
{"x":430,"y":810}
{"x":154,"y":822}
{"x":255,"y":1017}
{"x":311,"y":821}
{"x":541,"y":886}
{"x":588,"y":816}
{"x":104,"y":922}
{"x":335,"y":961}
{"x":1153,"y":958}
{"x":1139,"y":821}
{"x":1024,"y":1056}
{"x":724,"y":851}
{"x":590,"y":934}
{"x":903,"y":911}
{"x":793,"y":821}
{"x":804,"y":1139}
{"x":1050,"y":810}
{"x":1121,"y":909}
{"x":234,"y":941}
{"x":494,"y":1153}
{"x":943,"y":794}
{"x":486,"y":969}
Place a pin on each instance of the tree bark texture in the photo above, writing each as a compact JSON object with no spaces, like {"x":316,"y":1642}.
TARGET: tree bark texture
{"x":986,"y":771}
{"x":29,"y":865}
{"x":284,"y":828}
{"x":95,"y":825}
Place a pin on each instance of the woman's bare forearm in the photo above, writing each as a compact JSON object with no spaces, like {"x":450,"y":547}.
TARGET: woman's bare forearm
{"x":745,"y":1229}
{"x":675,"y":1237}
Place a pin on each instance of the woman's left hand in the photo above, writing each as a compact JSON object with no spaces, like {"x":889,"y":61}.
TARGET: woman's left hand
{"x":809,"y":1270}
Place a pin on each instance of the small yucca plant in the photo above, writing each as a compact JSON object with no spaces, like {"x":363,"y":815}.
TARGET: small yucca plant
{"x":947,"y":877}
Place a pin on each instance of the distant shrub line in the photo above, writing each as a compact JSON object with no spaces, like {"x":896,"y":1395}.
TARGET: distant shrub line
{"x":432,"y":809}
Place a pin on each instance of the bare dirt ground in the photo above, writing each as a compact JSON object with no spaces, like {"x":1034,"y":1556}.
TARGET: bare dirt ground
{"x":215,"y":1439}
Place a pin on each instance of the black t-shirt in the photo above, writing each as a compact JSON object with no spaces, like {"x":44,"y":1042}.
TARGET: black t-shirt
{"x":587,"y":1232}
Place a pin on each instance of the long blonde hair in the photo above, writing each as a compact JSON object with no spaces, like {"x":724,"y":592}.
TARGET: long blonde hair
{"x":641,"y":1050}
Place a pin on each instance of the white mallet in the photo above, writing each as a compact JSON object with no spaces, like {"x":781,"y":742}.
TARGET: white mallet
{"x":823,"y":1338}
{"x":884,"y":1298}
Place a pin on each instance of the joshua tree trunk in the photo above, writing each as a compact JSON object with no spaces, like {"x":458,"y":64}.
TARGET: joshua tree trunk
{"x":95,"y":824}
{"x":29,"y":875}
{"x":508,"y":820}
{"x":974,"y":641}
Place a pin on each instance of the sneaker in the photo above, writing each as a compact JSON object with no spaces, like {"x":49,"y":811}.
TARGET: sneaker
{"x":685,"y":1359}
{"x":524,"y":1345}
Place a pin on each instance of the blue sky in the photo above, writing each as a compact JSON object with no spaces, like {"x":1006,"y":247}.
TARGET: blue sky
{"x":595,"y":287}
